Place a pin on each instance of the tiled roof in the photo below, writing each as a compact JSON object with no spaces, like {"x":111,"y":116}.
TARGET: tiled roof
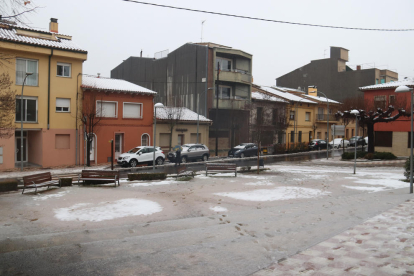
{"x":9,"y":32}
{"x":321,"y":99}
{"x":115,"y":85}
{"x":184,"y":113}
{"x":287,"y":96}
{"x":262,"y":96}
{"x":388,"y":85}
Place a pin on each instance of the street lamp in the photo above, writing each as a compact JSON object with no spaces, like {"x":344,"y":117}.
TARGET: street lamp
{"x":356,"y":113}
{"x":327,"y":126}
{"x":21,"y":123}
{"x":401,"y":89}
{"x":157,"y":105}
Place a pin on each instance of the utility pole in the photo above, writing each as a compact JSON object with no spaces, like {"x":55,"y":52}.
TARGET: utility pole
{"x":217,"y":102}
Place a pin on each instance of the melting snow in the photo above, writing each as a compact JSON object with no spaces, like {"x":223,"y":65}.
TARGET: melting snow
{"x":218,"y":209}
{"x":279,"y":193}
{"x":44,"y":197}
{"x":153,"y":183}
{"x":108,"y":210}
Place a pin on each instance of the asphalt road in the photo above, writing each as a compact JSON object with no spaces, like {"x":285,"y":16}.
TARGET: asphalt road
{"x":186,"y":237}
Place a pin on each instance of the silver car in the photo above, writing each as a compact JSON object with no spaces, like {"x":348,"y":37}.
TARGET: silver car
{"x":191,"y":152}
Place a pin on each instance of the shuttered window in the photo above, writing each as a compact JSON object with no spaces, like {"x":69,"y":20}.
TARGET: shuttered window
{"x":106,"y":109}
{"x":62,"y":105}
{"x":132,"y":110}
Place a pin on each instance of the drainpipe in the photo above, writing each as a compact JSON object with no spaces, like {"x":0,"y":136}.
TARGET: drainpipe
{"x":48,"y":92}
{"x":76,"y":121}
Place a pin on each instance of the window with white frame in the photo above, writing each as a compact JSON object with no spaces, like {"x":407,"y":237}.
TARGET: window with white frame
{"x":132,"y":110}
{"x":106,"y":109}
{"x":380,"y":102}
{"x":145,"y":140}
{"x":63,"y":69}
{"x":24,"y":66}
{"x":62,"y":105}
{"x":307,"y":116}
{"x":29,"y":109}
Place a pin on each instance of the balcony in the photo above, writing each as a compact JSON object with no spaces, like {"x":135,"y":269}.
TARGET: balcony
{"x":235,"y":75}
{"x":324,"y":117}
{"x":230,"y":103}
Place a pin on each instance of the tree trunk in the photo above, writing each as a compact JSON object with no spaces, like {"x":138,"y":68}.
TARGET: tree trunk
{"x":88,"y":151}
{"x":171,"y":133}
{"x":370,"y":131}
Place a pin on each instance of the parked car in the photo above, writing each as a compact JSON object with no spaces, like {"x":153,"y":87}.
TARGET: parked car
{"x":337,"y":143}
{"x":191,"y":152}
{"x":143,"y":154}
{"x":243,"y":150}
{"x":318,"y":144}
{"x":360,"y":141}
{"x":366,"y":140}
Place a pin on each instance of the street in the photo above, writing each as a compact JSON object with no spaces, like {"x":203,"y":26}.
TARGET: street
{"x":215,"y":225}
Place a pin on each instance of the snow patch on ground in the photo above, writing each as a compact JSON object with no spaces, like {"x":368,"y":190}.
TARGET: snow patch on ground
{"x":369,"y":189}
{"x":218,"y":209}
{"x":152,"y":183}
{"x":45,"y":197}
{"x":260,"y":183}
{"x":279,"y":193}
{"x":108,"y":210}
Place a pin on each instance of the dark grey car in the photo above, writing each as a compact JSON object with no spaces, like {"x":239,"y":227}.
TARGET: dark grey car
{"x":243,"y":150}
{"x":191,"y":152}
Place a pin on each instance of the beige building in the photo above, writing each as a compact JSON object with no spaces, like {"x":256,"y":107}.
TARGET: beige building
{"x":178,"y":126}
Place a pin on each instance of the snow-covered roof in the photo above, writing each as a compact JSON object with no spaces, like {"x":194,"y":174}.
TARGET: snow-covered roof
{"x":287,"y":89}
{"x":115,"y":85}
{"x":262,"y":96}
{"x":321,"y":99}
{"x":388,"y":85}
{"x":184,"y":113}
{"x":14,"y":33}
{"x":287,"y":96}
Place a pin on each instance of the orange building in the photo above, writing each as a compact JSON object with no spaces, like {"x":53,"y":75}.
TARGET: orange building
{"x":118,"y":110}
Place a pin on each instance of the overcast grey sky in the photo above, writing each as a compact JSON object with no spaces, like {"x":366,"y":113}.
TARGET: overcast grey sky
{"x":113,"y":30}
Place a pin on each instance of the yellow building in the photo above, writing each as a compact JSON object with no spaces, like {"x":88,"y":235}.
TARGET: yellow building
{"x":49,"y":65}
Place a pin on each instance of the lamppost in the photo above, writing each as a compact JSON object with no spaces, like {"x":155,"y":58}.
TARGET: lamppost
{"x":21,"y":122}
{"x":356,"y":113}
{"x":327,"y":126}
{"x":401,"y":89}
{"x":198,"y":111}
{"x":157,"y":105}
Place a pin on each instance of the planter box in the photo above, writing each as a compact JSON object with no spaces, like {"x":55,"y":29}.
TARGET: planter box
{"x":7,"y":185}
{"x":146,"y":176}
{"x":66,"y":181}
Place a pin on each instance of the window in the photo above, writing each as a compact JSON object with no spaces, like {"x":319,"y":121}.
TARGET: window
{"x":376,"y":81}
{"x":180,"y":139}
{"x":145,"y":140}
{"x":24,"y":66}
{"x":63,"y":70}
{"x":347,"y":134}
{"x":318,"y":135}
{"x":292,"y":115}
{"x":383,"y":138}
{"x":62,"y":105}
{"x":1,"y":155}
{"x":274,"y":116}
{"x":320,"y":114}
{"x":106,"y":109}
{"x":29,"y":109}
{"x":307,"y":116}
{"x":62,"y":141}
{"x":379,"y":102}
{"x":225,"y":64}
{"x":300,"y":137}
{"x":259,"y":115}
{"x":280,"y":135}
{"x":292,"y":136}
{"x":382,"y":80}
{"x":392,"y":100}
{"x":132,"y":110}
{"x":165,"y":140}
{"x":224,"y":92}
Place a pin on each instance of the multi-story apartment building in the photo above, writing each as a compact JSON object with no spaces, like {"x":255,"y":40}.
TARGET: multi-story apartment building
{"x":334,"y":76}
{"x":51,"y":66}
{"x":191,"y":76}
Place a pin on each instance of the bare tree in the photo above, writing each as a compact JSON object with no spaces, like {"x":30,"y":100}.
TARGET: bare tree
{"x":91,"y":116}
{"x":370,"y":118}
{"x":173,"y":117}
{"x":7,"y":106}
{"x":16,"y":11}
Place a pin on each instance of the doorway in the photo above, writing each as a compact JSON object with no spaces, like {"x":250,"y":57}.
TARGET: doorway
{"x":119,"y":137}
{"x":18,"y":147}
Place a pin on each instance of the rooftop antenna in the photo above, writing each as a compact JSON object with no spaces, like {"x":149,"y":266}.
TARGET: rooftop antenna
{"x":202,"y":24}
{"x":324,"y":53}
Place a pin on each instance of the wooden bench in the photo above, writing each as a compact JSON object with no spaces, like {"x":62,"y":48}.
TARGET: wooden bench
{"x":98,"y":175}
{"x":35,"y":181}
{"x":182,"y":171}
{"x":221,"y":167}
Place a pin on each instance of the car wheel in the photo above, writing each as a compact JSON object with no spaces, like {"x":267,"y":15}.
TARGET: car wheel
{"x":133,"y":163}
{"x":159,"y":161}
{"x":183,"y":159}
{"x":205,"y":157}
{"x":241,"y":155}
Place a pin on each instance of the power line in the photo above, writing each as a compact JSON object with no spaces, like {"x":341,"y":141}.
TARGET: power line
{"x":270,"y":20}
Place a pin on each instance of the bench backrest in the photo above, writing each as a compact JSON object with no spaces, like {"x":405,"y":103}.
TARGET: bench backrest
{"x":99,"y":174}
{"x":222,"y":167}
{"x":37,"y":178}
{"x":181,"y":169}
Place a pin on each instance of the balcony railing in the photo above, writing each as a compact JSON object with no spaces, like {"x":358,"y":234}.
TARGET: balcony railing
{"x":324,"y":117}
{"x":235,"y":76}
{"x":230,"y":104}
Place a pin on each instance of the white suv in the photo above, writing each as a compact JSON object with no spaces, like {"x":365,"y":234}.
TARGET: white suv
{"x":142,"y":154}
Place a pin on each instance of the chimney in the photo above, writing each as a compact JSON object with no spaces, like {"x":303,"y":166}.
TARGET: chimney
{"x":141,"y":53}
{"x":358,"y":67}
{"x":53,"y":25}
{"x":313,"y":90}
{"x":99,"y":75}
